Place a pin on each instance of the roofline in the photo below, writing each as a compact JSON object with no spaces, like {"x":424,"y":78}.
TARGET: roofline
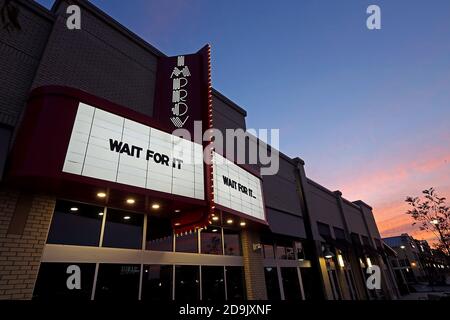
{"x":37,"y":8}
{"x":111,"y":22}
{"x":228,"y":101}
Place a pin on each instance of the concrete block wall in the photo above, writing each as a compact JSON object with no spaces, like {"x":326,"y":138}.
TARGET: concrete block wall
{"x":22,"y":242}
{"x":20,"y":53}
{"x":255,"y":282}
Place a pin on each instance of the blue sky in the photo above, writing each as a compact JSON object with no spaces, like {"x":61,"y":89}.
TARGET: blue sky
{"x":356,"y":105}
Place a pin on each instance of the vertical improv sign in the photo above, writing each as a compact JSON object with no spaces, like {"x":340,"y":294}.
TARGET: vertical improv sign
{"x":182,"y":90}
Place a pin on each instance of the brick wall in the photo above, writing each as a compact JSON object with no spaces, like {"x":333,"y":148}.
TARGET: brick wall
{"x":255,"y":281}
{"x":20,"y":253}
{"x":20,"y":53}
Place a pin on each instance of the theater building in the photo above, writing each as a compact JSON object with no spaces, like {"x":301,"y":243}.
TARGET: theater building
{"x":94,"y":182}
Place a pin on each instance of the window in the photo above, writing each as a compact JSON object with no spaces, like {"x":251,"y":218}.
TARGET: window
{"x":157,"y":282}
{"x":51,"y":282}
{"x":235,"y":283}
{"x":213,"y":284}
{"x":75,"y":224}
{"x":291,"y":284}
{"x":366,"y":241}
{"x":324,"y":230}
{"x":339,"y":233}
{"x":187,"y":283}
{"x":273,"y":287}
{"x":187,"y":243}
{"x":123,"y":229}
{"x":117,"y":281}
{"x":211,"y":240}
{"x":285,"y":253}
{"x":159,"y":234}
{"x":309,"y":286}
{"x":268,"y":251}
{"x":281,"y":252}
{"x":232,"y":242}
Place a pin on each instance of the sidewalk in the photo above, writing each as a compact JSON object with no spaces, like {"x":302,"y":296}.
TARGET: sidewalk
{"x":427,"y":292}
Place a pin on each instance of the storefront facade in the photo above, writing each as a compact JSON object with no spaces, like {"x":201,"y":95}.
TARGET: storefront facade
{"x":94,"y":182}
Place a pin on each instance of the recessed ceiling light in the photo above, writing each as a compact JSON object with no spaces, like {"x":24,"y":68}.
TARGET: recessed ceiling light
{"x":215,"y":218}
{"x":74,"y":209}
{"x":177,"y":210}
{"x":131,"y":201}
{"x":101,"y":194}
{"x":100,"y":213}
{"x":230,"y":221}
{"x":155,"y":206}
{"x":242,"y":224}
{"x":126,"y":217}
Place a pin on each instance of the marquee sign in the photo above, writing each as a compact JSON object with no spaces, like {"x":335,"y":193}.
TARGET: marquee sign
{"x":182,"y":90}
{"x":112,"y":148}
{"x":236,"y":188}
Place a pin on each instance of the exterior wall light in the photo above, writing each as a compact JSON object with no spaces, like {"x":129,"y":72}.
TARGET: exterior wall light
{"x":242,"y":224}
{"x":101,"y":195}
{"x":126,"y":218}
{"x":340,"y":260}
{"x":74,"y":209}
{"x":402,"y":247}
{"x":369,"y":262}
{"x":131,"y":201}
{"x":327,"y":254}
{"x":230,"y":221}
{"x":215,"y":218}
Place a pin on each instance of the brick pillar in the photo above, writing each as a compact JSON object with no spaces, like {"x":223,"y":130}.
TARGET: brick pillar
{"x":24,"y":223}
{"x":255,"y":281}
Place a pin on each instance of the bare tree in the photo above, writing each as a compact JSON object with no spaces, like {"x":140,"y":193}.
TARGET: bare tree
{"x":9,"y":16}
{"x":431,"y":213}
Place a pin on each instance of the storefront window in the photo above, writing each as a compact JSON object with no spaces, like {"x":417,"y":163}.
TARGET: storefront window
{"x":291,"y":284}
{"x":187,"y":283}
{"x":235,"y":283}
{"x":117,"y":281}
{"x":273,"y":287}
{"x":232,"y":242}
{"x":159,"y":234}
{"x":157,"y":282}
{"x":75,"y":224}
{"x":211,"y":240}
{"x":268,"y":251}
{"x":187,"y":243}
{"x":123,"y":229}
{"x":213,"y":284}
{"x":51,"y":282}
{"x":309,"y":287}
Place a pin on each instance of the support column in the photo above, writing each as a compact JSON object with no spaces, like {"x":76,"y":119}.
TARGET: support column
{"x":24,"y":224}
{"x":255,"y":282}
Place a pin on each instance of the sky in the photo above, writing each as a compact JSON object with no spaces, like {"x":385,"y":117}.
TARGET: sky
{"x":368,"y":110}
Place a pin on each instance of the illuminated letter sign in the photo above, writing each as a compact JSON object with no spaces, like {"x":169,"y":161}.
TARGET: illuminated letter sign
{"x":182,"y":90}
